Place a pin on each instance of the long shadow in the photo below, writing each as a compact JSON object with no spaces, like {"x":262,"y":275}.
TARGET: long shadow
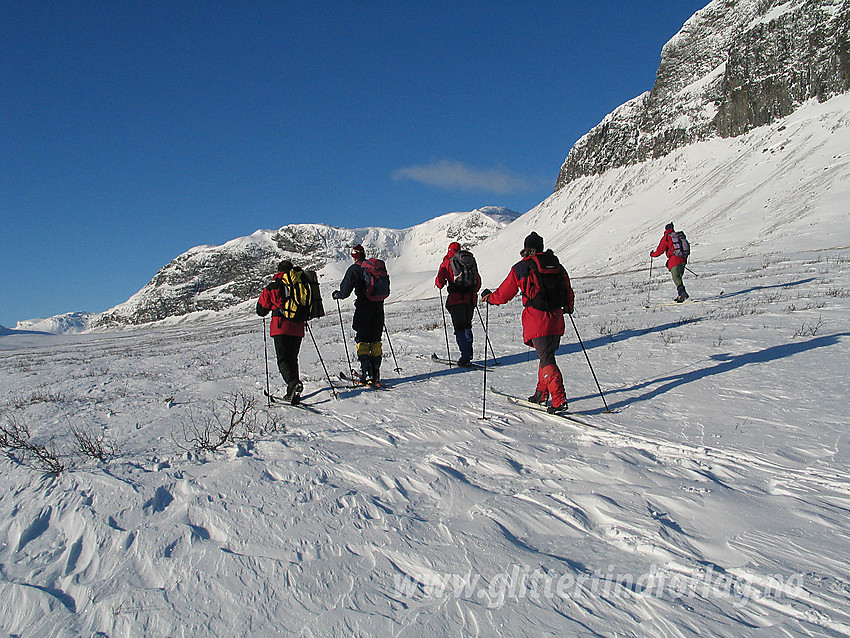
{"x":757,"y":288}
{"x":727,"y":362}
{"x":567,"y":348}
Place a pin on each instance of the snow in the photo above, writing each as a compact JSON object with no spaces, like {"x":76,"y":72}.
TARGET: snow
{"x":712,"y":500}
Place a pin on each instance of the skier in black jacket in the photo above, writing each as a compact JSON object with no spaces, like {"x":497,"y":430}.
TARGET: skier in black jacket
{"x":368,"y":320}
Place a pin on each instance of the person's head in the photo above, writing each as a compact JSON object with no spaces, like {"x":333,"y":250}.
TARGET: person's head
{"x":669,"y":226}
{"x":533,"y":244}
{"x":454,"y":247}
{"x":358,"y":253}
{"x":284,"y":266}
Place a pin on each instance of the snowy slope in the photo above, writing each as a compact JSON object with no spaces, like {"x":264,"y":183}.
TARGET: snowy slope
{"x":779,"y":188}
{"x":712,"y":501}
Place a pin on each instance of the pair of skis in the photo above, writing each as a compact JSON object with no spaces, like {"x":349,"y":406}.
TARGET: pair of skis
{"x":539,"y":407}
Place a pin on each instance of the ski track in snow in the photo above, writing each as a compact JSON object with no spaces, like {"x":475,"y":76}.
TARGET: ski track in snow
{"x":723,"y":468}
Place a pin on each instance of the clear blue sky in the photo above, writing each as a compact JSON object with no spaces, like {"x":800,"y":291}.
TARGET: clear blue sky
{"x":132,"y":131}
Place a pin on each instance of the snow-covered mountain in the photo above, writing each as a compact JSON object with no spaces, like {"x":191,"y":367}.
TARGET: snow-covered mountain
{"x":218,"y":277}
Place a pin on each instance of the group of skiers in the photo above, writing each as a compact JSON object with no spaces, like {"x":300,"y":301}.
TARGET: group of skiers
{"x":293,"y":298}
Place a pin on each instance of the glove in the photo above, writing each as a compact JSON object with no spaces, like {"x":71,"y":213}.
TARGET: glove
{"x":485,"y":294}
{"x":335,"y":294}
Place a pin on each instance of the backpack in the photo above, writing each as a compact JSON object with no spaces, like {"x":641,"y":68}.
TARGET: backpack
{"x":297,"y":294}
{"x":376,"y":279}
{"x":317,"y":309}
{"x":545,"y":289}
{"x":464,"y":272}
{"x":681,"y":246}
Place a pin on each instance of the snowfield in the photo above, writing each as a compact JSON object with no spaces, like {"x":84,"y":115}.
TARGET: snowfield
{"x":713,"y":500}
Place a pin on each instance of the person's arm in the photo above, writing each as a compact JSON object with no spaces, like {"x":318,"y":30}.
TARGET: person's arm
{"x":662,"y":248}
{"x":348,"y":282}
{"x":505,"y":292}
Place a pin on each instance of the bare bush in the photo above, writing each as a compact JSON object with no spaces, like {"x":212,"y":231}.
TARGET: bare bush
{"x":232,"y":419}
{"x":20,"y":447}
{"x":93,"y":445}
{"x":810,"y":329}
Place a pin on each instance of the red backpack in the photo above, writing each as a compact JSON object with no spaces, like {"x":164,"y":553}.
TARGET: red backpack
{"x":376,"y":278}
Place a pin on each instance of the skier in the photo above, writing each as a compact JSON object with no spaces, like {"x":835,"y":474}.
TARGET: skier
{"x":546,"y":295}
{"x":675,"y":262}
{"x":288,"y":297}
{"x":369,"y":281}
{"x":460,"y":272}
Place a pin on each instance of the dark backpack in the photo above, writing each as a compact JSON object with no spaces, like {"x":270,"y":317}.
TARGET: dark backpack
{"x":317,"y":309}
{"x":681,"y":245}
{"x":545,"y":289}
{"x":464,"y":272}
{"x":376,"y":278}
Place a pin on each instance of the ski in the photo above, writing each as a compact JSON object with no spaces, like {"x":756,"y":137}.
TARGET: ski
{"x":537,"y":407}
{"x":686,"y":302}
{"x":280,"y":401}
{"x":356,"y":382}
{"x":449,"y":362}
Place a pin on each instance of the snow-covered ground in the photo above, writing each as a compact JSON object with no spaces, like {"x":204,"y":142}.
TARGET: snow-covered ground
{"x":712,"y":501}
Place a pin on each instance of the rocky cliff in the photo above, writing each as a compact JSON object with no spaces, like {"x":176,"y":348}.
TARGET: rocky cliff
{"x":734,"y":66}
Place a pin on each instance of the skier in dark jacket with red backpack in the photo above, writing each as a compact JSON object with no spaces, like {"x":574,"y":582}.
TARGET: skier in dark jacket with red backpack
{"x":460,"y":272}
{"x":546,"y":295}
{"x":676,"y":247}
{"x":369,"y":281}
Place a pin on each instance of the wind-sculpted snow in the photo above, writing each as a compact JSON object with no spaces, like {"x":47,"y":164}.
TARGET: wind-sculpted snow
{"x":712,"y":501}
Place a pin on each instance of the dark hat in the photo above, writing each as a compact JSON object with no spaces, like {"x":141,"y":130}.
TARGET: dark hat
{"x":358,"y":252}
{"x":669,"y":226}
{"x":534,"y":242}
{"x":284,"y":266}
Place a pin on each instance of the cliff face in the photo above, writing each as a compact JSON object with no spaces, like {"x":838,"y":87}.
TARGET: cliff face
{"x":734,"y":66}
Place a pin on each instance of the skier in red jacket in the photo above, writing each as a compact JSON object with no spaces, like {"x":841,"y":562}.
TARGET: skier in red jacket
{"x":461,"y":300}
{"x":286,"y":333}
{"x":675,"y":263}
{"x":546,"y":295}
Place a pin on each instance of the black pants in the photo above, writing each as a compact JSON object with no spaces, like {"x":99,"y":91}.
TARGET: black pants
{"x":461,"y":314}
{"x":546,"y":348}
{"x":286,"y":348}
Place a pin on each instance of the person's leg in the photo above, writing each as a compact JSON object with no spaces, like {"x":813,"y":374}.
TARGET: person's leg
{"x":677,"y":272}
{"x":376,"y":353}
{"x":550,"y":382}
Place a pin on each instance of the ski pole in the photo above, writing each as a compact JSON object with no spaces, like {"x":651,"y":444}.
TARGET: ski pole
{"x":650,"y":268}
{"x":397,"y":369}
{"x":607,"y":409}
{"x":484,"y":393}
{"x":691,"y":271}
{"x":486,"y":338}
{"x":445,"y":329}
{"x":266,"y":357}
{"x":322,"y":361}
{"x":344,"y":342}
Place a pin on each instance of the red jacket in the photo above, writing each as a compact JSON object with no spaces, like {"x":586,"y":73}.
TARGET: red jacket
{"x":445,"y":276}
{"x":271,"y":299}
{"x":666,"y":246}
{"x":535,"y":323}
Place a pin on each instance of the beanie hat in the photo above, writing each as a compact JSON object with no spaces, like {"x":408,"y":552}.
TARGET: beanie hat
{"x":534,"y":242}
{"x":284,"y":266}
{"x":454,"y":246}
{"x":358,"y":252}
{"x":669,"y":226}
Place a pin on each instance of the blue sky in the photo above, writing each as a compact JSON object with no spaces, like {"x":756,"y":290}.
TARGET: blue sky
{"x":132,"y":131}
